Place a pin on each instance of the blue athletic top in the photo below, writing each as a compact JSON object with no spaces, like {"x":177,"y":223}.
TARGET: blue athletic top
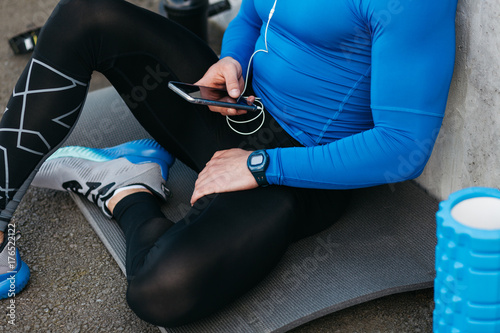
{"x":362,"y":84}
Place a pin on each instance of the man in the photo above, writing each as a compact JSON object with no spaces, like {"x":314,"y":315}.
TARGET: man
{"x":351,"y":90}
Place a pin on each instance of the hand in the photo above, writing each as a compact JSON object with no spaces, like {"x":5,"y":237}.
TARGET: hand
{"x":227,"y":171}
{"x":226,"y":74}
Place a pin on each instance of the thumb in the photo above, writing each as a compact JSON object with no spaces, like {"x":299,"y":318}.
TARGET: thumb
{"x":232,"y":76}
{"x":233,"y":87}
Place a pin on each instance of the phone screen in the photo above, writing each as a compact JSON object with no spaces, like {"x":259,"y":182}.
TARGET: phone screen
{"x":209,"y":96}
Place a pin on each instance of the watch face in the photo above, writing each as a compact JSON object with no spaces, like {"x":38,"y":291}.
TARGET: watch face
{"x":256,"y":159}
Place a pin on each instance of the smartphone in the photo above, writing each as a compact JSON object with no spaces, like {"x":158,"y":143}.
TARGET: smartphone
{"x":210,"y":96}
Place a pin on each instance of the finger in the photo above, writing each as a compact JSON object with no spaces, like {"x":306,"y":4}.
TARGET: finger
{"x":233,"y":89}
{"x":231,"y":112}
{"x":226,"y":111}
{"x":235,"y":112}
{"x":205,"y":177}
{"x":250,"y":100}
{"x":217,"y":154}
{"x":196,"y":195}
{"x":241,"y":82}
{"x":201,"y":178}
{"x":217,"y":109}
{"x":232,"y":77}
{"x":211,"y":181}
{"x":203,"y":186}
{"x":198,"y":189}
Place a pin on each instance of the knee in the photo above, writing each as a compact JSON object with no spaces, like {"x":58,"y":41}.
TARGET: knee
{"x":76,"y":16}
{"x":166,"y":300}
{"x":73,"y":34}
{"x":72,"y":10}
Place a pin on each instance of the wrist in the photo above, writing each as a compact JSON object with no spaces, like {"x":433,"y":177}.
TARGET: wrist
{"x":257,"y":163}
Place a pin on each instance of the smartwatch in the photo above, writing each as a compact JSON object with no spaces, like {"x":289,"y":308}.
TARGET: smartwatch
{"x":257,"y":164}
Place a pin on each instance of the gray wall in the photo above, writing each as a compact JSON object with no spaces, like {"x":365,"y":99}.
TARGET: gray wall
{"x":467,"y":152}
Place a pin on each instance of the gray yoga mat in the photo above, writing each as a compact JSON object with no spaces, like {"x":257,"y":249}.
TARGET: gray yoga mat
{"x":383,"y":245}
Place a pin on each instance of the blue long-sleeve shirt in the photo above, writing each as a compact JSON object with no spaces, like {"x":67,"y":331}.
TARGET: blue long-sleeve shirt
{"x":362,"y":84}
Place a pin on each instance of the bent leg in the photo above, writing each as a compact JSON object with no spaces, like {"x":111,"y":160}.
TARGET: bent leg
{"x":224,"y":246}
{"x":140,"y":52}
{"x":82,"y":36}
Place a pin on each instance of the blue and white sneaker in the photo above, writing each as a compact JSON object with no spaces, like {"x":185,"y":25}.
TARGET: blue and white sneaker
{"x":14,"y":273}
{"x":96,"y":173}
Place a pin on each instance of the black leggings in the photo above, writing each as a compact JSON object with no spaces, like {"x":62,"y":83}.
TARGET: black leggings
{"x":177,"y":272}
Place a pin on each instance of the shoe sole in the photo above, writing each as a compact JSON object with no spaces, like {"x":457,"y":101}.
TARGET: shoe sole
{"x":19,"y":279}
{"x":137,"y":152}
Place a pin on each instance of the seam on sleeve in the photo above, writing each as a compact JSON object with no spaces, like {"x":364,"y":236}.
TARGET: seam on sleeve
{"x":409,"y":110}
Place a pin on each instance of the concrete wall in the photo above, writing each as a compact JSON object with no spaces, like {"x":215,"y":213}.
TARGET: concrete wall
{"x":467,"y":152}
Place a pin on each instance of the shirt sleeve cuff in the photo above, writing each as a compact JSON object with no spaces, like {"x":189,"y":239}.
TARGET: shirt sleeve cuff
{"x":274,"y":169}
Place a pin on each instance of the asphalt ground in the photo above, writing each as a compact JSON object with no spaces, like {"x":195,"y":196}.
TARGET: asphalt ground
{"x":77,"y":287}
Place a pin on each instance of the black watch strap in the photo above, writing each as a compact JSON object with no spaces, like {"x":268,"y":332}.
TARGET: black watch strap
{"x":260,"y":177}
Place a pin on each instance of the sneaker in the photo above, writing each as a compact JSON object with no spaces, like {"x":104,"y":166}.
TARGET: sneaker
{"x":96,"y":173}
{"x":14,"y":273}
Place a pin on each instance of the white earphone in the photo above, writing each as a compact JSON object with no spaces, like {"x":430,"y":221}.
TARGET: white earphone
{"x":257,"y":100}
